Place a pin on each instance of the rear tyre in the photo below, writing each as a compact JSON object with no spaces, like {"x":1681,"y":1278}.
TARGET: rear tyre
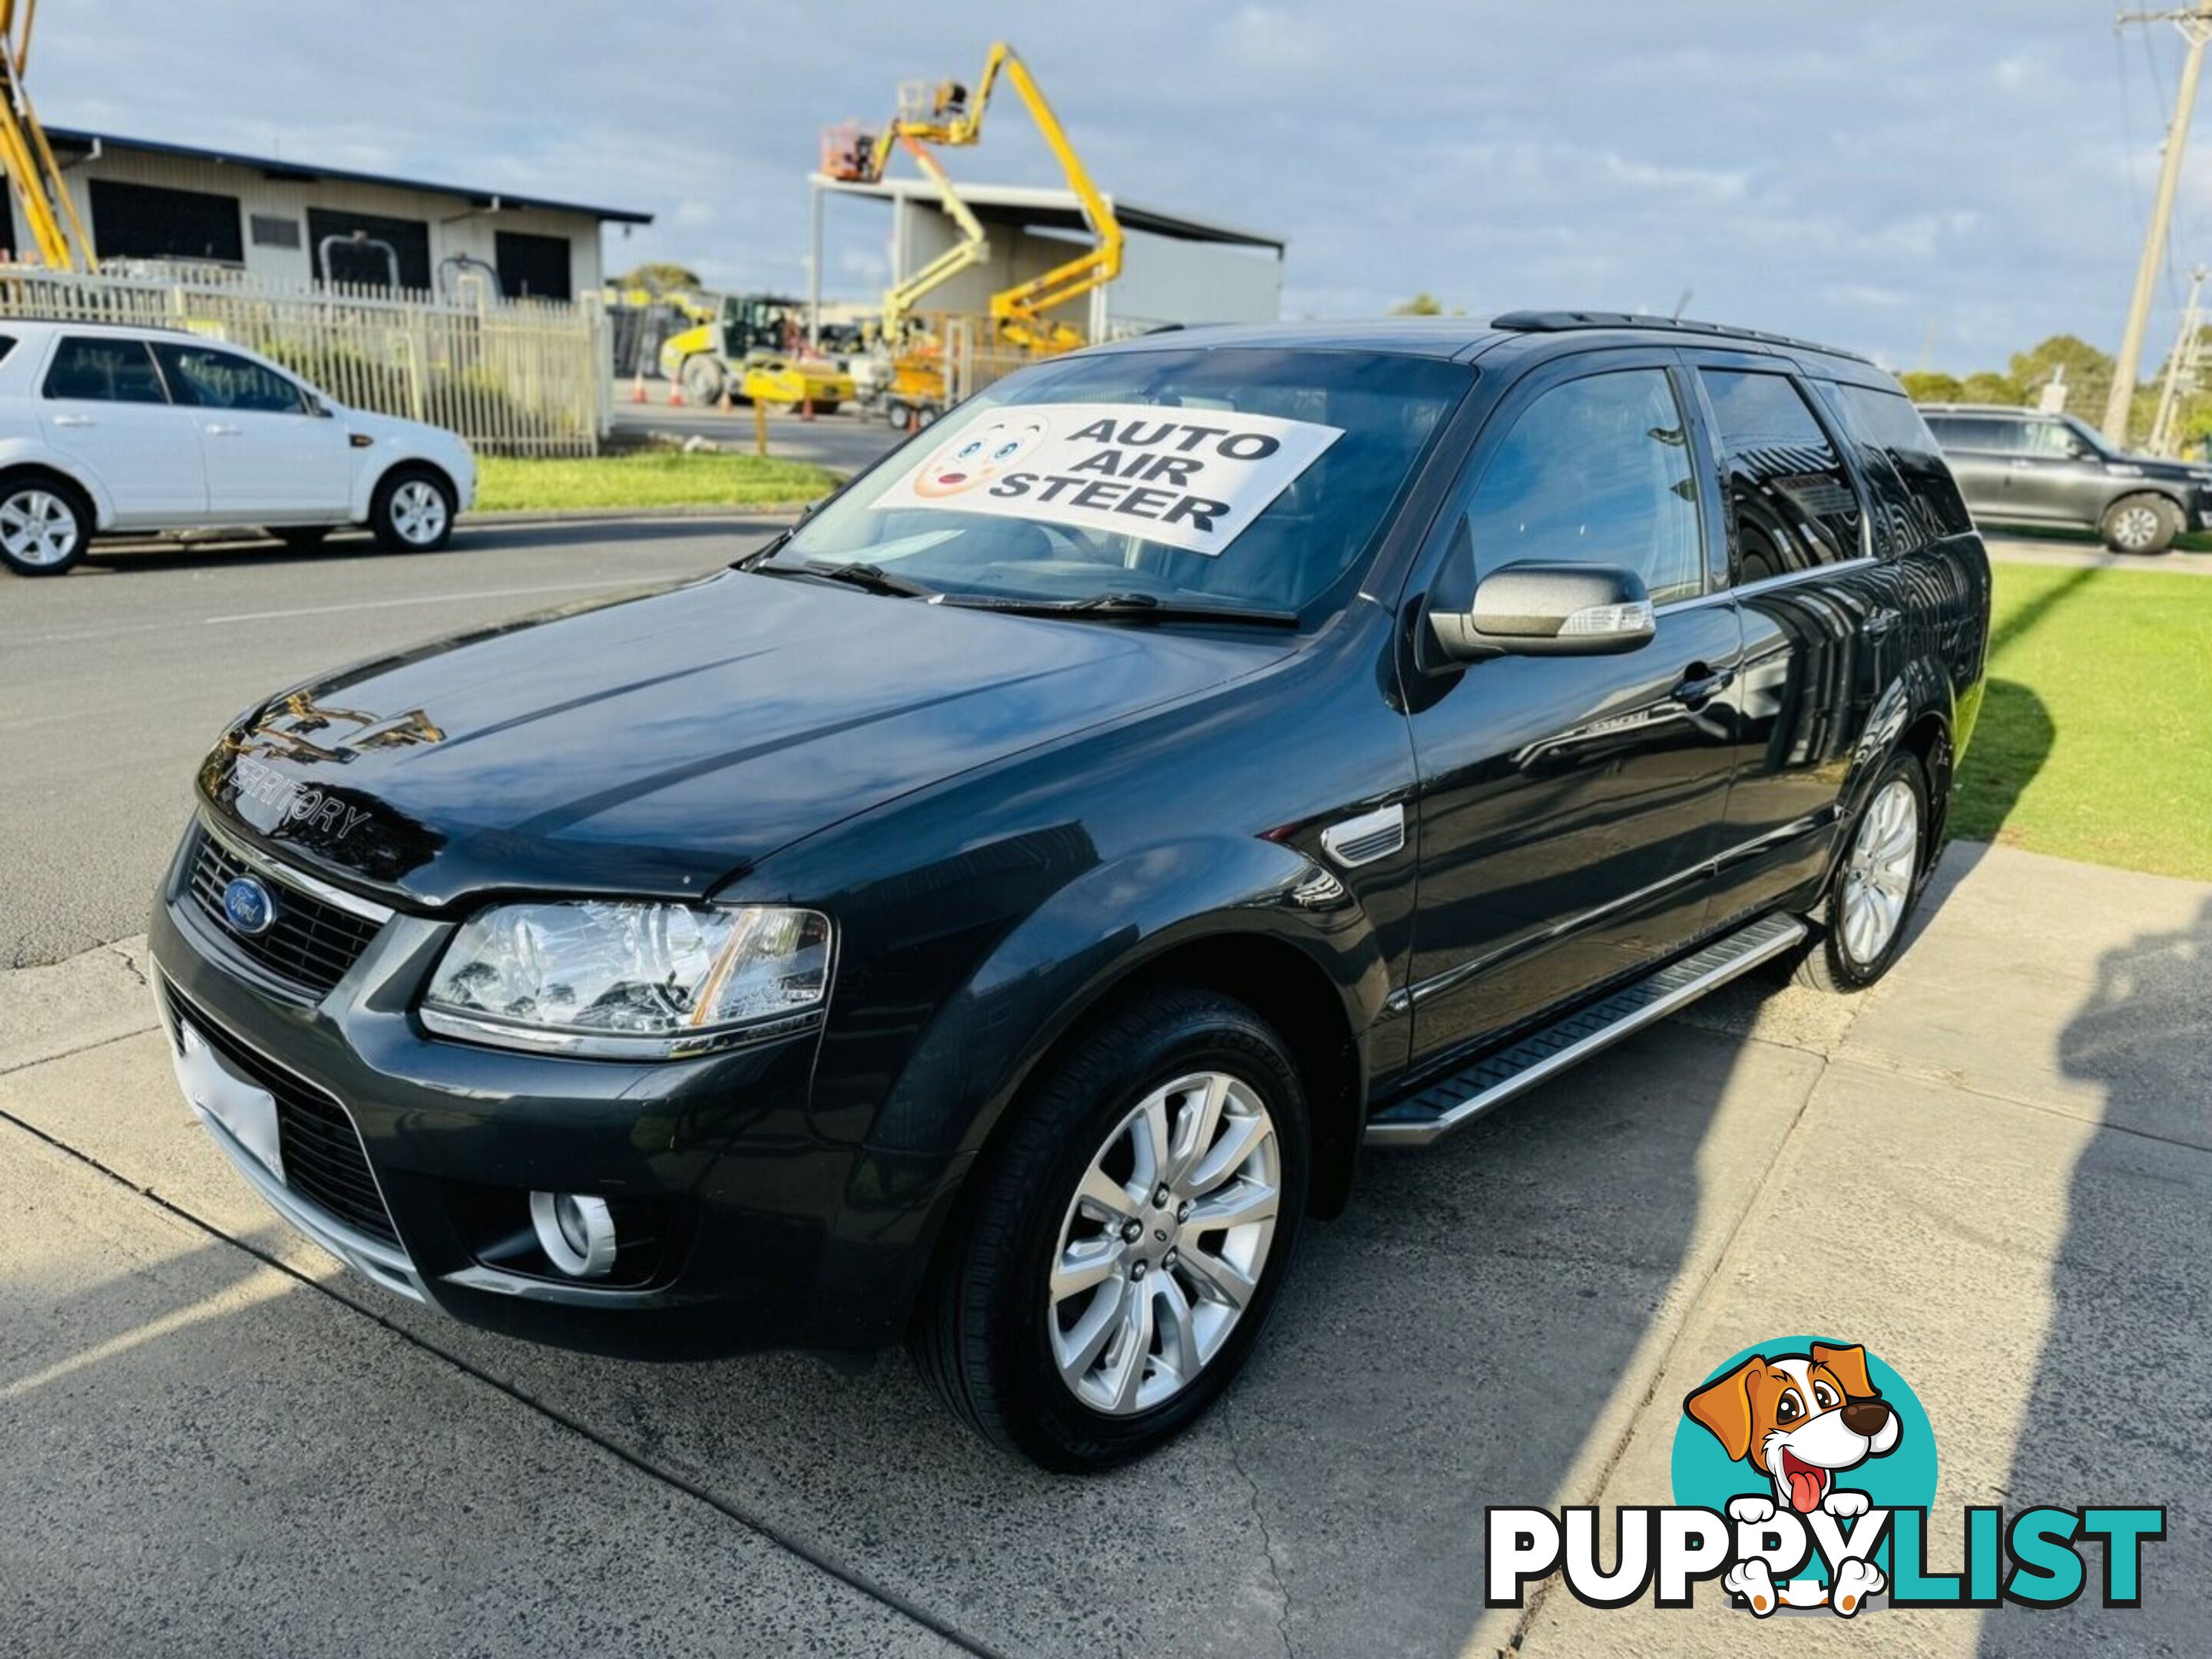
{"x":829,"y":406}
{"x":1876,"y":885}
{"x":1129,"y":1237}
{"x":45,"y":525}
{"x":302,"y":538}
{"x":2141,"y":524}
{"x":412,"y":511}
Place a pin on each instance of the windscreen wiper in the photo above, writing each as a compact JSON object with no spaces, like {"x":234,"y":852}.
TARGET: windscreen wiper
{"x":872,"y":577}
{"x":1129,"y":607}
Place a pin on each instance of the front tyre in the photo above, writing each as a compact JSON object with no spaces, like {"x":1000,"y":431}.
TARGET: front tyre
{"x":45,"y":526}
{"x":1876,"y":884}
{"x":412,"y":511}
{"x":1130,"y":1239}
{"x":2141,"y":524}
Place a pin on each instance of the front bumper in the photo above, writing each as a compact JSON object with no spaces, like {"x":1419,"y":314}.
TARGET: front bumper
{"x":763,"y":1232}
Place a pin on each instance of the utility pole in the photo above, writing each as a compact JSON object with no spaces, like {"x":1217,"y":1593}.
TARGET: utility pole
{"x":2195,"y":23}
{"x":2180,"y":369}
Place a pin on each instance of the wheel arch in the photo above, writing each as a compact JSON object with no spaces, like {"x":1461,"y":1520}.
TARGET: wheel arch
{"x":36,"y":463}
{"x":373,"y":484}
{"x":1319,"y":977}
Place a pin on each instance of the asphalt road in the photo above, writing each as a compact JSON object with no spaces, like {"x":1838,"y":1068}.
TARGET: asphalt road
{"x":114,"y":680}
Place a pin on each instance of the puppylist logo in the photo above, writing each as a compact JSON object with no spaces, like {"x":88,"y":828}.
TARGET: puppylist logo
{"x":1804,"y":1471}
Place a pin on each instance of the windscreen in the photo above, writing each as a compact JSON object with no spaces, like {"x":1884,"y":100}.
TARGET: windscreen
{"x":1241,"y":477}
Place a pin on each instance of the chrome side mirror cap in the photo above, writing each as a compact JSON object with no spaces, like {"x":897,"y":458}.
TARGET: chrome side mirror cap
{"x":1548,"y":610}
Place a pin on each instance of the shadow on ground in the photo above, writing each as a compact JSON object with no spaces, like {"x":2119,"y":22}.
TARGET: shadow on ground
{"x":2123,"y":1391}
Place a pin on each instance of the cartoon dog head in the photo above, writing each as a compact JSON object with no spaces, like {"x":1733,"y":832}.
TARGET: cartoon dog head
{"x":1799,"y":1420}
{"x":979,"y":454}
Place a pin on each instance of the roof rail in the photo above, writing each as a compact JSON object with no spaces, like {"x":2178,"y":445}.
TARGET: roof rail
{"x":1560,"y":322}
{"x":63,"y":319}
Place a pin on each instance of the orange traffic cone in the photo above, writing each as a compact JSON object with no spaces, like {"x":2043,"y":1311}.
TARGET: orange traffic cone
{"x":637,"y":388}
{"x":723,"y":403}
{"x":806,"y":407}
{"x":913,"y":417}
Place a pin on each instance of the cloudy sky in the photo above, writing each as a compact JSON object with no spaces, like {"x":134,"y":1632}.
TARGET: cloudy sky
{"x":1937,"y":181}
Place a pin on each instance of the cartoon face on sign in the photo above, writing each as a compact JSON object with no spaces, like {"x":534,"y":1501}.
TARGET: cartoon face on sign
{"x":979,"y":454}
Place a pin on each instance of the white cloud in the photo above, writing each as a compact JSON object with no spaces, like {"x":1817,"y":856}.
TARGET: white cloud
{"x":1849,"y":185}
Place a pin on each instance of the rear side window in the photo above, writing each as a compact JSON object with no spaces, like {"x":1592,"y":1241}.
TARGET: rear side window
{"x":1984,"y":432}
{"x":6,"y":345}
{"x":1916,"y":498}
{"x":105,"y":371}
{"x":1790,"y":499}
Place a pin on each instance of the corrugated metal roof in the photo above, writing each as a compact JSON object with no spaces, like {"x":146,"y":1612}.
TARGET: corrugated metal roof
{"x":1033,"y":204}
{"x":269,"y":167}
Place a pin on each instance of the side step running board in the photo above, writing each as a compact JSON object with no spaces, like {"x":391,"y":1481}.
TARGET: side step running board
{"x":1442,"y":1107}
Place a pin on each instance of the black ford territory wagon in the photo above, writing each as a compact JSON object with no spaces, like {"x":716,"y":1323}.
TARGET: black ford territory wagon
{"x":997,"y":913}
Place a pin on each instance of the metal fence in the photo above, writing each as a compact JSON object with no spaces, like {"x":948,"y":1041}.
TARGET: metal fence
{"x":513,"y":377}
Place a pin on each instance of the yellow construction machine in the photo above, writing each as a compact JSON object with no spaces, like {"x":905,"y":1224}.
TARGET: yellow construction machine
{"x":57,"y":231}
{"x":949,"y":113}
{"x":750,"y":350}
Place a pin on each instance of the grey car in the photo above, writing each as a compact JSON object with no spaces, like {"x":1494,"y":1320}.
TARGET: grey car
{"x":2022,"y":466}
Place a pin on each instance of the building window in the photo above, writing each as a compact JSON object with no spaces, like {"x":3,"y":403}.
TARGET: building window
{"x":354,"y":255}
{"x":271,"y":230}
{"x":149,"y":221}
{"x":533,"y":267}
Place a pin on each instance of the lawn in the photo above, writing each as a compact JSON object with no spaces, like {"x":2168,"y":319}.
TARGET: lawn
{"x":2095,"y":738}
{"x":653,"y":478}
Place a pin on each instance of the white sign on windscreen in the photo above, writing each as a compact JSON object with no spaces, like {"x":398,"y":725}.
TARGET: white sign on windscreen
{"x":1191,"y":477}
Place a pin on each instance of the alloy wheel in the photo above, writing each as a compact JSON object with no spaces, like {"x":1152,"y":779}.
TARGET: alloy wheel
{"x":2136,"y":529}
{"x":1878,"y":877}
{"x":418,"y":512}
{"x":38,"y":527}
{"x":1161,"y":1249}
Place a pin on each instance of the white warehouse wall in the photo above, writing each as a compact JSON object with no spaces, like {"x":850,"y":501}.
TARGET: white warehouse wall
{"x":1166,"y":280}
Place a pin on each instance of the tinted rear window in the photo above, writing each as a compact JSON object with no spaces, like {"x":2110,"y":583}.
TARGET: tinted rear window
{"x":1915,"y":498}
{"x":1977,"y":432}
{"x":105,"y":370}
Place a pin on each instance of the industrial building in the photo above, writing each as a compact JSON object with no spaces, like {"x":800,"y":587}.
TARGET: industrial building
{"x":294,"y":222}
{"x":1175,"y":268}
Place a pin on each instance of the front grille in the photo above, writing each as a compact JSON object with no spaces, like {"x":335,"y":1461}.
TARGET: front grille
{"x":324,"y":1161}
{"x":311,"y":943}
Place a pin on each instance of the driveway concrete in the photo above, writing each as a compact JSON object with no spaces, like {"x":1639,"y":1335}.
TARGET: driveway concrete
{"x":1994,"y":1170}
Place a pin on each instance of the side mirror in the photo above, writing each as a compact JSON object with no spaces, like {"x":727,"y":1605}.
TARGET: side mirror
{"x":1548,"y":610}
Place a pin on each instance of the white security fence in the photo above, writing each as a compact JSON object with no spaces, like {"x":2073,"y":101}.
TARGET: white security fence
{"x":513,"y":377}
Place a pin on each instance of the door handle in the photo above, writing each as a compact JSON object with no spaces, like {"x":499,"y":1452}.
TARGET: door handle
{"x":1701,"y":684}
{"x":2020,"y":465}
{"x":72,"y":420}
{"x":221,"y":431}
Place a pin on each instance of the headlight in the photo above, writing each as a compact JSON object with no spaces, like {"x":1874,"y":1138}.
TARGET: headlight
{"x":626,"y":980}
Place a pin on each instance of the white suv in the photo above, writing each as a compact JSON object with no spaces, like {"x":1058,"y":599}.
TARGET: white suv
{"x":112,"y":428}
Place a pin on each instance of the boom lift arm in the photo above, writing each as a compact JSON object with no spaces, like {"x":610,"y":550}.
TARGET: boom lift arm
{"x":955,"y":116}
{"x":36,"y":178}
{"x":972,"y":249}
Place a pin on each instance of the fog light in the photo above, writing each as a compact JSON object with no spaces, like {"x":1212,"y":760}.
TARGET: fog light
{"x":576,"y":1232}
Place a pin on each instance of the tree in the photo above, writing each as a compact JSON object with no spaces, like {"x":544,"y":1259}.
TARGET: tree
{"x":1424,"y":304}
{"x":1929,"y":388}
{"x":658,"y":276}
{"x":1989,"y":387}
{"x":2088,"y":373}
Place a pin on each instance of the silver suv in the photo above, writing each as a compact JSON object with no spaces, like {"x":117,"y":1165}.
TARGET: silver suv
{"x":2021,"y":466}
